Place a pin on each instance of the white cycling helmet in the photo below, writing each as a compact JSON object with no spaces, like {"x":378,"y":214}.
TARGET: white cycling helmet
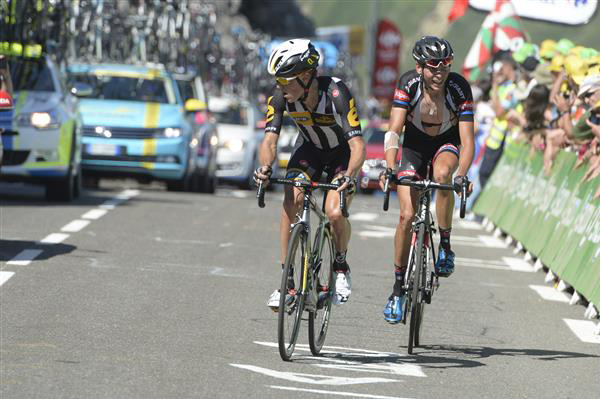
{"x":292,"y":57}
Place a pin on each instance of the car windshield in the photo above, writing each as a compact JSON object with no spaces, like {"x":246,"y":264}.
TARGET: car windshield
{"x":374,"y":136}
{"x":232,"y":116}
{"x":127,"y":88}
{"x":186,"y":89}
{"x":31,"y":74}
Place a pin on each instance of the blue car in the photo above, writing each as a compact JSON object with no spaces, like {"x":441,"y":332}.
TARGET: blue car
{"x":134,"y":124}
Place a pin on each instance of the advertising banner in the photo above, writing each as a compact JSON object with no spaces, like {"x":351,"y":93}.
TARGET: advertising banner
{"x":571,"y":12}
{"x":388,"y":43}
{"x":554,"y":217}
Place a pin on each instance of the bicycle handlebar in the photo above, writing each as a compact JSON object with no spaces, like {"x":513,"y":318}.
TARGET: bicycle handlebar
{"x":425,"y":185}
{"x":260,"y":192}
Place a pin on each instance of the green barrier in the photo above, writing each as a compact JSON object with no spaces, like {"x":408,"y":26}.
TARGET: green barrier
{"x":554,"y":217}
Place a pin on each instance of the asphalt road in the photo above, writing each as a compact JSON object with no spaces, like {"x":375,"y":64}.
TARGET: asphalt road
{"x":136,"y":292}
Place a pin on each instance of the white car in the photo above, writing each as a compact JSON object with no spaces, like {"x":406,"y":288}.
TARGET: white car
{"x":239,"y":138}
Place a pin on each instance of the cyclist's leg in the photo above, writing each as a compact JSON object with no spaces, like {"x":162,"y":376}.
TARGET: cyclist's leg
{"x":303,"y":164}
{"x":445,"y":164}
{"x":337,"y":164}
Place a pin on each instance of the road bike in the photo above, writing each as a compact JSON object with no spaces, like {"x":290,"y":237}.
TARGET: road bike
{"x":420,"y":279}
{"x":307,"y":280}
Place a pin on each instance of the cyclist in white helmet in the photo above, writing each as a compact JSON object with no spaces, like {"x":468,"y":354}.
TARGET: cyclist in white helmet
{"x":330,"y":141}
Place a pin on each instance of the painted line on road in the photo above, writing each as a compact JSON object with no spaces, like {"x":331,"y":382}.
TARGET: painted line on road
{"x":75,"y":226}
{"x":94,"y":214}
{"x":54,"y":238}
{"x":549,"y":293}
{"x":518,"y":264}
{"x":467,"y":225}
{"x":363,"y":216}
{"x":24,"y":257}
{"x":584,"y":330}
{"x":338,"y":393}
{"x":4,"y":276}
{"x":314,"y":379}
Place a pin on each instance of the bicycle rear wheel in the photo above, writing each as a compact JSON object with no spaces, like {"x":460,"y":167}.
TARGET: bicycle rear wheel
{"x":415,"y":300}
{"x":291,"y":301}
{"x":318,"y":320}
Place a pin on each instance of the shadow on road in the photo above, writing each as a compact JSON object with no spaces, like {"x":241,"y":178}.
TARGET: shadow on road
{"x":435,"y":356}
{"x":10,"y":248}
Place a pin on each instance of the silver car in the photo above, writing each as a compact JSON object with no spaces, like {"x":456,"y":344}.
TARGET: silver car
{"x":239,"y":138}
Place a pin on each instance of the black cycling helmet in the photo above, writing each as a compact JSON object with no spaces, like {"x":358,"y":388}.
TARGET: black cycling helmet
{"x":292,"y":57}
{"x":431,"y":48}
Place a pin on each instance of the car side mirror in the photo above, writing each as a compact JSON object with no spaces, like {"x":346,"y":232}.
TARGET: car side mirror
{"x":194,"y":105}
{"x":81,"y":89}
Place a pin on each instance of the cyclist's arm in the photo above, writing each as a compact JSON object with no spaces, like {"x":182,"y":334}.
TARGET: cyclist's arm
{"x":397,"y":120}
{"x":357,"y":155}
{"x":345,"y":106}
{"x":464,"y":100}
{"x":467,"y":150}
{"x":274,"y":118}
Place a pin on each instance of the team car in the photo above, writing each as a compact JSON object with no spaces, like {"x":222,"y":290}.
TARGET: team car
{"x":41,"y":137}
{"x":134,"y":124}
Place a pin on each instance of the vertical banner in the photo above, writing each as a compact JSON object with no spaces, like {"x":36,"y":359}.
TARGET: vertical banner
{"x":388,"y":43}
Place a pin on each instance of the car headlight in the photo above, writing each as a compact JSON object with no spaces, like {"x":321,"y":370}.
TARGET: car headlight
{"x":214,"y":140}
{"x":39,"y":120}
{"x":235,"y":145}
{"x":172,"y":132}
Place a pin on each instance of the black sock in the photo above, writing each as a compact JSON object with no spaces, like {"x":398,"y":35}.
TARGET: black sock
{"x":340,"y":262}
{"x":445,"y":238}
{"x":399,"y":281}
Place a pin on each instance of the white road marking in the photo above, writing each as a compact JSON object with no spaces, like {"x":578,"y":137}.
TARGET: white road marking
{"x":4,"y":276}
{"x":491,"y":242}
{"x":315,"y":379}
{"x":364,"y":216}
{"x":518,"y":264}
{"x":94,"y":214}
{"x":394,"y":367}
{"x":240,"y":194}
{"x":225,"y":244}
{"x":480,"y":263}
{"x":219,"y":271}
{"x":54,"y":238}
{"x":75,"y":226}
{"x":375,"y":234}
{"x":584,"y":329}
{"x":549,"y":293}
{"x":467,"y":225}
{"x":24,"y":257}
{"x":111,"y":203}
{"x":338,"y":393}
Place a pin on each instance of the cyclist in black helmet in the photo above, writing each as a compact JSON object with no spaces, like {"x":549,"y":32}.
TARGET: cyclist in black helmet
{"x":434,"y":108}
{"x":330,"y":141}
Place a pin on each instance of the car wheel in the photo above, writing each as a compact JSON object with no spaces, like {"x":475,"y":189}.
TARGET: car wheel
{"x":63,"y":189}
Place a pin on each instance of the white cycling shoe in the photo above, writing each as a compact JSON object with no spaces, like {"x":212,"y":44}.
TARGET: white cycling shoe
{"x":273,"y":301}
{"x":343,"y":288}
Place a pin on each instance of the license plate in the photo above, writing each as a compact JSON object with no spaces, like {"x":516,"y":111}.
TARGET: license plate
{"x":103,"y":149}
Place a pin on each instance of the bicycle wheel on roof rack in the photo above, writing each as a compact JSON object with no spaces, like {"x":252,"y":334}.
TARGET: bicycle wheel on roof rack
{"x":416,"y":293}
{"x":291,"y":302}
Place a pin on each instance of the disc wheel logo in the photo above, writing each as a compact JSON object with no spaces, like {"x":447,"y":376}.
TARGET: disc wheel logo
{"x":335,"y":92}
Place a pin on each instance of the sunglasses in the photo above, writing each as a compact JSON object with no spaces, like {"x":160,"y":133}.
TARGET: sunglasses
{"x":445,"y":62}
{"x":284,"y":81}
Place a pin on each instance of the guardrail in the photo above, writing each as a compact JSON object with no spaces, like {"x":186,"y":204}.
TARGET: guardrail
{"x":555,"y":217}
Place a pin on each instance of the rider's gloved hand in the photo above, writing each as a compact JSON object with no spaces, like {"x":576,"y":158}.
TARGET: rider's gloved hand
{"x":262,"y":173}
{"x":347,"y":183}
{"x":458,"y":183}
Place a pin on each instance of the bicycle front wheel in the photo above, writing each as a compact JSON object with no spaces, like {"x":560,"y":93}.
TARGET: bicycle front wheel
{"x":415,"y":300}
{"x":323,"y":283}
{"x":291,"y":300}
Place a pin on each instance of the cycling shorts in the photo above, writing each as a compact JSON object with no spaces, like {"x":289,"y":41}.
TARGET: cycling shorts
{"x":311,"y":162}
{"x":418,"y":149}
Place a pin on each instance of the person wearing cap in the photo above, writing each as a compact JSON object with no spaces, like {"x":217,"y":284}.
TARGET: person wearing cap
{"x":503,"y":99}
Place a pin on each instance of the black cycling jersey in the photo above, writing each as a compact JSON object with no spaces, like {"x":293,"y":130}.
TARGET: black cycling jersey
{"x":333,"y":122}
{"x":419,"y":147}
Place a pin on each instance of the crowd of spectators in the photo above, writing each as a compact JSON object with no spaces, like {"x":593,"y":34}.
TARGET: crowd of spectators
{"x":547,"y":95}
